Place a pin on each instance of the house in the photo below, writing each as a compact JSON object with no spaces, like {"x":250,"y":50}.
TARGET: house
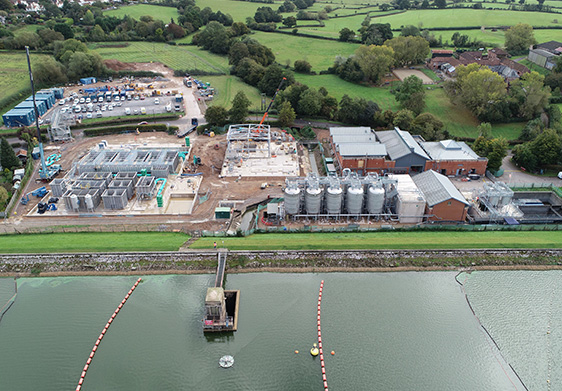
{"x":357,"y":149}
{"x":441,"y":53}
{"x":498,"y":52}
{"x":542,"y":58}
{"x":403,"y":150}
{"x":450,"y":157}
{"x":22,"y":155}
{"x":554,"y":47}
{"x":444,"y":202}
{"x":445,"y":64}
{"x":496,"y":59}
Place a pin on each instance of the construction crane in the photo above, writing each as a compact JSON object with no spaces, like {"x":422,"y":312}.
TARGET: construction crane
{"x":271,"y":103}
{"x":45,"y":173}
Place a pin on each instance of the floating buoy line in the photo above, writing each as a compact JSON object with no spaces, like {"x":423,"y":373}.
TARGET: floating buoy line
{"x":93,"y":352}
{"x":320,"y":340}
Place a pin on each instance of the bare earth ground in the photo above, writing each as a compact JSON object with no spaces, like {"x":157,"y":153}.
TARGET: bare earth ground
{"x":404,"y":73}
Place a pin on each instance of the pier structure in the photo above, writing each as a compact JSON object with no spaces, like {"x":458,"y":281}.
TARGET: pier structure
{"x":221,"y":306}
{"x":90,"y":358}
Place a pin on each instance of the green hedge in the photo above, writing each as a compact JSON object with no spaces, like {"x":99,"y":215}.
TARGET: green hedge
{"x":125,"y":129}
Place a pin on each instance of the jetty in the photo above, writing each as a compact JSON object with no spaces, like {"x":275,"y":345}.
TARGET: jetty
{"x":221,"y":306}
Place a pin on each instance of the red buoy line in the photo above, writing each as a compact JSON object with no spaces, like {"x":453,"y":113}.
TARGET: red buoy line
{"x":320,"y":338}
{"x":89,"y":361}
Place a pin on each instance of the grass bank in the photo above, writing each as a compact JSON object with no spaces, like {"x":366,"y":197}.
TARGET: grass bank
{"x":388,"y":241}
{"x":92,"y":242}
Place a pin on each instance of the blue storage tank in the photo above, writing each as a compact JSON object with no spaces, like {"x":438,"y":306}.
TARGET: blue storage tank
{"x":41,"y":106}
{"x":16,"y":118}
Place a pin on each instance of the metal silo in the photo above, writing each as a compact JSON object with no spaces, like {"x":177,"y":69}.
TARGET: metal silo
{"x":292,"y":200}
{"x":354,"y":200}
{"x":312,"y":195}
{"x":74,"y":202}
{"x":375,"y":199}
{"x":334,"y":194}
{"x":89,"y":202}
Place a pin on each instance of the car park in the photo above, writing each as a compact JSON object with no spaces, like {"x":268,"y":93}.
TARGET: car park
{"x":110,"y":107}
{"x":104,"y":108}
{"x":100,"y":99}
{"x":119,"y":104}
{"x":82,"y":100}
{"x":88,"y":100}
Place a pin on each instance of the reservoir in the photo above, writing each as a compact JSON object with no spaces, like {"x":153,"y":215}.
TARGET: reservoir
{"x":390,"y":331}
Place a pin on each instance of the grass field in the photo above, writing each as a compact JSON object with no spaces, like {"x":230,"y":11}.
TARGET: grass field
{"x":388,"y":240}
{"x":27,"y":28}
{"x":158,"y":12}
{"x":176,"y":57}
{"x":92,"y":242}
{"x":239,"y":10}
{"x":227,"y":87}
{"x":497,"y":38}
{"x":319,"y":53}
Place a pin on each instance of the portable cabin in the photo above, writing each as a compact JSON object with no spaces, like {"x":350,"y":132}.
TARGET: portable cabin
{"x":52,"y":100}
{"x":41,"y":106}
{"x":16,"y":118}
{"x":59,"y":92}
{"x":88,"y":80}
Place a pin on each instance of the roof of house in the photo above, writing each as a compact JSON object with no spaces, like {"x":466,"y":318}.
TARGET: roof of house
{"x":520,"y":68}
{"x":21,"y":152}
{"x":400,"y":143}
{"x":499,"y":52}
{"x":542,"y":52}
{"x":441,"y":51}
{"x":437,"y":188}
{"x":443,"y":60}
{"x":350,"y":130}
{"x":505,"y":71}
{"x":449,"y":150}
{"x":361,"y":149}
{"x":354,"y":138}
{"x":551,"y":46}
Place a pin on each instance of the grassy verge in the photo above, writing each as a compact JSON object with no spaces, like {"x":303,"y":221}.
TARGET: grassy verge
{"x":92,"y":242}
{"x":388,"y":240}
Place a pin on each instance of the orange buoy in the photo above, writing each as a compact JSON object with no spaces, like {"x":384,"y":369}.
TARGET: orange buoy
{"x":332,"y":352}
{"x":127,"y":296}
{"x":123,"y":301}
{"x":296,"y":352}
{"x":320,"y":345}
{"x":100,"y":337}
{"x":103,"y":331}
{"x":97,"y":342}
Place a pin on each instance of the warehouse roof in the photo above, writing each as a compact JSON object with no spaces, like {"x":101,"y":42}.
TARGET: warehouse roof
{"x":350,"y":130}
{"x":449,"y":150}
{"x":361,"y":149}
{"x":354,"y":138}
{"x":437,"y":188}
{"x":400,"y":143}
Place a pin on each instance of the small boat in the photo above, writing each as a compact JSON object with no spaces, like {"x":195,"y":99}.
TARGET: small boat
{"x":226,"y":361}
{"x":314,"y":351}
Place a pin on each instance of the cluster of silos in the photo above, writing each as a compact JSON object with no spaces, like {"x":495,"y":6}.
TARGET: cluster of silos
{"x":334,"y":196}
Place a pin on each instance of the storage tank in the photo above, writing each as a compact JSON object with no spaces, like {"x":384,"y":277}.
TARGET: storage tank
{"x":354,"y":201}
{"x":312,"y":200}
{"x":89,"y":202}
{"x":292,"y":200}
{"x":375,"y":199}
{"x":74,"y":202}
{"x":333,"y":198}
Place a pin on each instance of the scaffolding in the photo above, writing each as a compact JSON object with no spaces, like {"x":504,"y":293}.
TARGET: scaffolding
{"x":60,"y":126}
{"x":242,"y":141}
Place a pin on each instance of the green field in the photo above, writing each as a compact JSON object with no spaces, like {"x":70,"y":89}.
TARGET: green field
{"x":176,"y":57}
{"x":319,"y":53}
{"x":26,"y":28}
{"x":388,"y":240}
{"x":497,"y":38}
{"x":239,"y":10}
{"x":227,"y":87}
{"x":92,"y":242}
{"x":158,"y":12}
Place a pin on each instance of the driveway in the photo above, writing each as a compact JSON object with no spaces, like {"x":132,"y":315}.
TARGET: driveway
{"x":512,"y":174}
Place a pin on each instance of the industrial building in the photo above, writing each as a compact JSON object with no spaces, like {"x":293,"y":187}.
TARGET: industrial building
{"x":444,"y":202}
{"x":449,"y":157}
{"x":406,"y":153}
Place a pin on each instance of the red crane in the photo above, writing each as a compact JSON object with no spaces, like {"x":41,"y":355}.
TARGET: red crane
{"x":271,"y":104}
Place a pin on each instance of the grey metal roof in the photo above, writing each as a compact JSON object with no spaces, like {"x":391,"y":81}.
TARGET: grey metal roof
{"x":400,"y":143}
{"x":449,"y":150}
{"x":361,"y":149}
{"x":350,"y":130}
{"x":543,"y":53}
{"x":354,"y":138}
{"x":437,"y":188}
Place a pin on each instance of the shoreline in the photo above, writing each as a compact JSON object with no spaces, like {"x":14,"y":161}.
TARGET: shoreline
{"x":289,"y":269}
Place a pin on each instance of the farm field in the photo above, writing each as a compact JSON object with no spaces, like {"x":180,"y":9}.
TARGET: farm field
{"x":388,"y":240}
{"x":176,"y":57}
{"x":27,"y":28}
{"x":497,"y":38}
{"x":158,"y":12}
{"x":227,"y":87}
{"x":467,"y":17}
{"x":319,"y":53}
{"x":92,"y":242}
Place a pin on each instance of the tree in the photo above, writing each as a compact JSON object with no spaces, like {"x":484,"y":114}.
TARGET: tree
{"x":4,"y":196}
{"x":97,"y":34}
{"x":49,"y":71}
{"x":239,"y":110}
{"x":272,"y":78}
{"x":216,"y":115}
{"x":403,"y":119}
{"x":495,"y":149}
{"x":49,"y":35}
{"x":65,"y":49}
{"x":88,"y":19}
{"x":410,"y":30}
{"x":346,"y":34}
{"x":519,"y":37}
{"x":6,"y":5}
{"x":85,"y":64}
{"x":485,"y":130}
{"x":302,"y":66}
{"x":411,"y":94}
{"x":531,"y":94}
{"x":65,"y":30}
{"x":547,"y":147}
{"x":286,"y":114}
{"x":310,"y":102}
{"x":8,"y":158}
{"x":429,"y":127}
{"x":375,"y":61}
{"x":440,"y":3}
{"x":290,"y":21}
{"x":409,"y":50}
{"x":376,"y":34}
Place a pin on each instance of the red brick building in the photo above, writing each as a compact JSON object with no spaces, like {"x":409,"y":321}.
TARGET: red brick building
{"x":443,"y":200}
{"x":449,"y":157}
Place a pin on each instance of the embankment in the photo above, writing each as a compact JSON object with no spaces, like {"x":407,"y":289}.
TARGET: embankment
{"x":275,"y":261}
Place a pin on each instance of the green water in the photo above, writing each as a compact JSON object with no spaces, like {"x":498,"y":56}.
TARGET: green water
{"x":390,"y":331}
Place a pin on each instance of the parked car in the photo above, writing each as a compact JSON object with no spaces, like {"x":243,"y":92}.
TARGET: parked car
{"x":156,"y":101}
{"x":127,"y":111}
{"x":143,"y":110}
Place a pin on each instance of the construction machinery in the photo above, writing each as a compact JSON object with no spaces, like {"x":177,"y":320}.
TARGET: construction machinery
{"x":39,"y":193}
{"x":271,"y":103}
